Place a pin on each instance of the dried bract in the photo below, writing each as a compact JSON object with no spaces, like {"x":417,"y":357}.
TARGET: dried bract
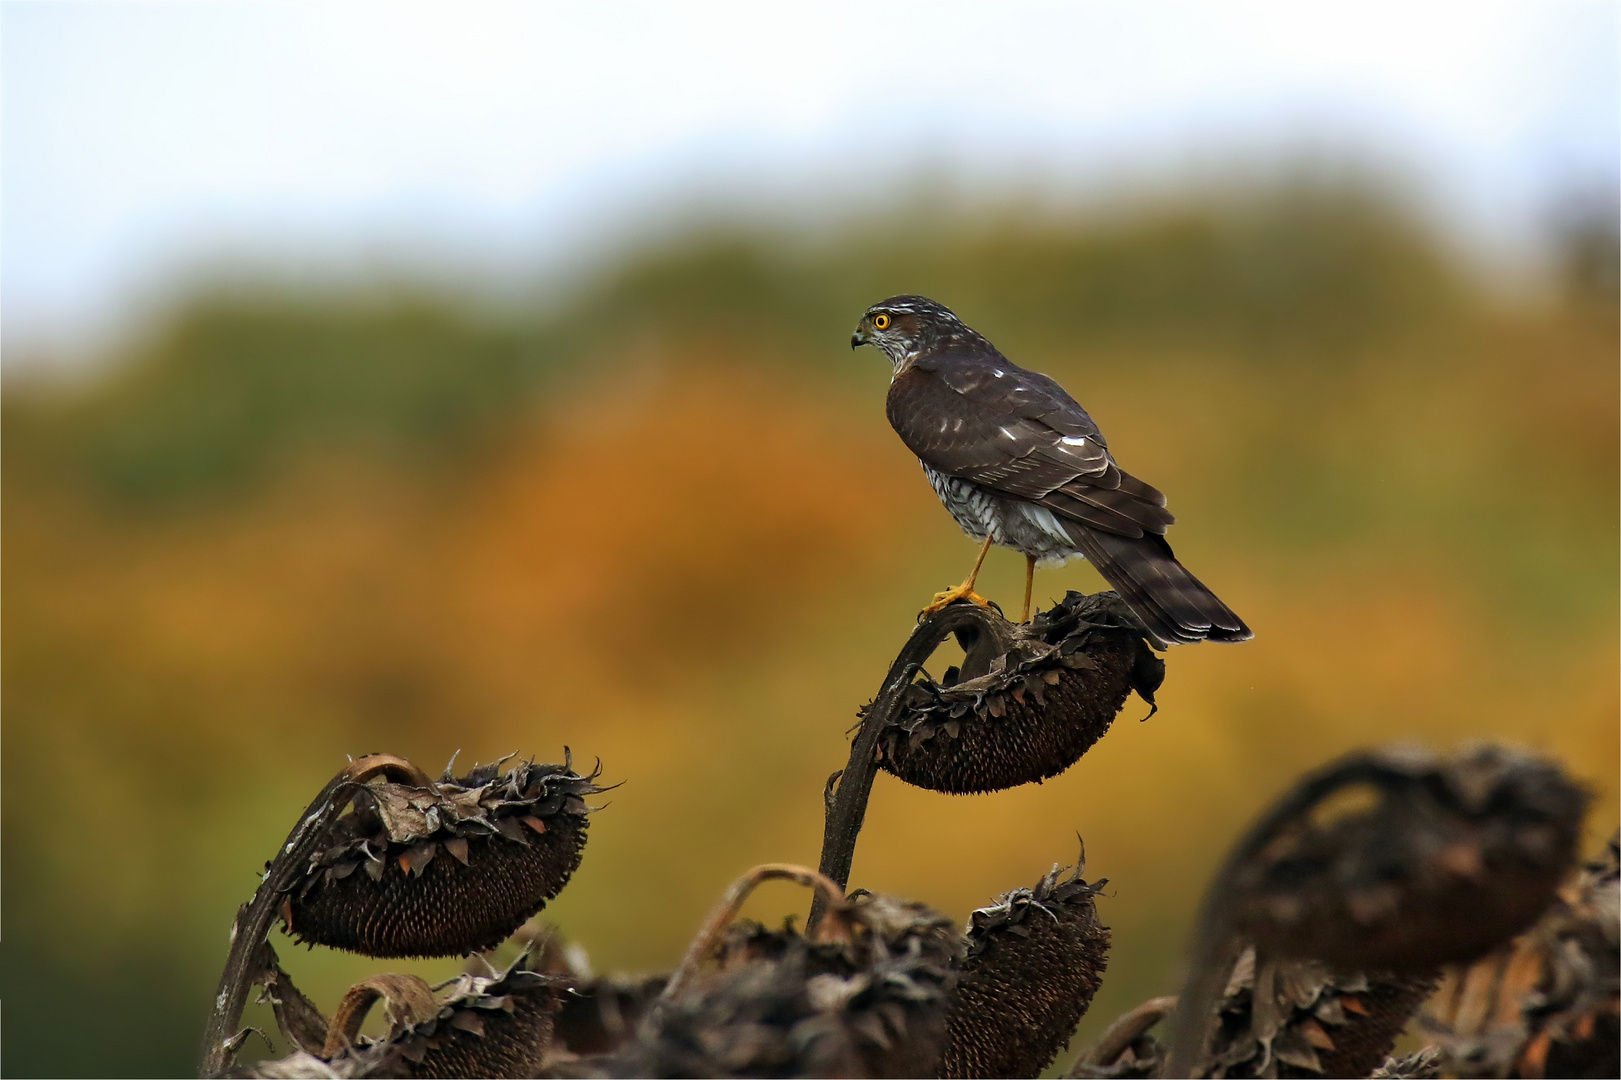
{"x":1403,"y":861}
{"x":442,"y":868}
{"x":1028,"y":702}
{"x":1032,"y":962}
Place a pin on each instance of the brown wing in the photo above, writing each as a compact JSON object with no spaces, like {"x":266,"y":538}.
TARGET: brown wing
{"x":977,"y":416}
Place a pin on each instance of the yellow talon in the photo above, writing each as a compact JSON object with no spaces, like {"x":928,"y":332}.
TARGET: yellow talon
{"x":965,"y":591}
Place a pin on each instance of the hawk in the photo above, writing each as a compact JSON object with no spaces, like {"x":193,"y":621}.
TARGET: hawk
{"x":1018,"y":463}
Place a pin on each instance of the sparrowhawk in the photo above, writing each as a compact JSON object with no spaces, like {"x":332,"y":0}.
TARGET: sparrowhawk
{"x":1018,"y":463}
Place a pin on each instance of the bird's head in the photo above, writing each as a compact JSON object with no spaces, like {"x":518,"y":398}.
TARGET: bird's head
{"x":903,"y":326}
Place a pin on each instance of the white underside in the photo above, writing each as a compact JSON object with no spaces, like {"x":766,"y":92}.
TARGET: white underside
{"x":1012,"y":523}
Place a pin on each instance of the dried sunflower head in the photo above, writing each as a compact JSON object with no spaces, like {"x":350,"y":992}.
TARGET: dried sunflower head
{"x":441,"y":868}
{"x":1298,"y":1018}
{"x":866,"y":997}
{"x":599,"y":1012}
{"x":1031,"y":964}
{"x":1028,"y":701}
{"x":1396,"y":861}
{"x":498,"y":1027}
{"x":1402,"y":860}
{"x":1279,"y":1018}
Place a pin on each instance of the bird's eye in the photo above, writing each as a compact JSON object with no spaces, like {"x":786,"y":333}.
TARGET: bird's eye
{"x":881,"y":321}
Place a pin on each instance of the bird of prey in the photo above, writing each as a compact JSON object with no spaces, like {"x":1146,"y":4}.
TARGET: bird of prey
{"x":1018,"y":463}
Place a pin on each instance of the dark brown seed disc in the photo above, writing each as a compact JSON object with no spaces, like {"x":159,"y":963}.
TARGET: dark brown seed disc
{"x":443,"y":870}
{"x":1024,"y":707}
{"x":1033,"y":961}
{"x":1403,"y":862}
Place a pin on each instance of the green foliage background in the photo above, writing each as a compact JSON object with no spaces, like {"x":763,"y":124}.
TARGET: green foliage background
{"x":664,"y":522}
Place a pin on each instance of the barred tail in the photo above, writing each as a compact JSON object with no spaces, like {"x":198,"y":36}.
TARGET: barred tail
{"x":1174,"y":605}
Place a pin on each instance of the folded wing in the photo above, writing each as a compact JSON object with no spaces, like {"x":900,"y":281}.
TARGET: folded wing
{"x":1018,"y":433}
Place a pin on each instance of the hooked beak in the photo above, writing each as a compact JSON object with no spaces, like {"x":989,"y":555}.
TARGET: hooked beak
{"x":857,"y":339}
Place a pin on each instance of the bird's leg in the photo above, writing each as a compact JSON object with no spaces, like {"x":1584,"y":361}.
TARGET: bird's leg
{"x":1029,"y":586}
{"x":965,"y":591}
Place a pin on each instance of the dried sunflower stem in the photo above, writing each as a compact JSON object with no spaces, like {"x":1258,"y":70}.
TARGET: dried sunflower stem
{"x":724,"y":912}
{"x":1125,"y":1030}
{"x":299,"y":1019}
{"x":846,"y":806}
{"x":409,"y":999}
{"x":253,"y":922}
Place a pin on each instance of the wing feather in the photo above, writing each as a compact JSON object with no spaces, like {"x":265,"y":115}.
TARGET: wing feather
{"x":975,"y":415}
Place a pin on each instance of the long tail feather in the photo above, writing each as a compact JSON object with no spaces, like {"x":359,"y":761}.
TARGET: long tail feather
{"x":1175,"y":606}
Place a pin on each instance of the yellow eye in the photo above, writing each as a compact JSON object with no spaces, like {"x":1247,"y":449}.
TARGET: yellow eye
{"x":881,"y":321}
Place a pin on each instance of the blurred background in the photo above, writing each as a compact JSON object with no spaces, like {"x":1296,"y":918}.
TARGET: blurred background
{"x":437,"y":379}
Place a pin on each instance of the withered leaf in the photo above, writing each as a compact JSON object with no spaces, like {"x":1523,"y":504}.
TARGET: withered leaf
{"x":464,"y":804}
{"x":402,"y":815}
{"x":457,"y":846}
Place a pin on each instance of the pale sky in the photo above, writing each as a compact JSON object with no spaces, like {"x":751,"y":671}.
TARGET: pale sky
{"x":140,"y":140}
